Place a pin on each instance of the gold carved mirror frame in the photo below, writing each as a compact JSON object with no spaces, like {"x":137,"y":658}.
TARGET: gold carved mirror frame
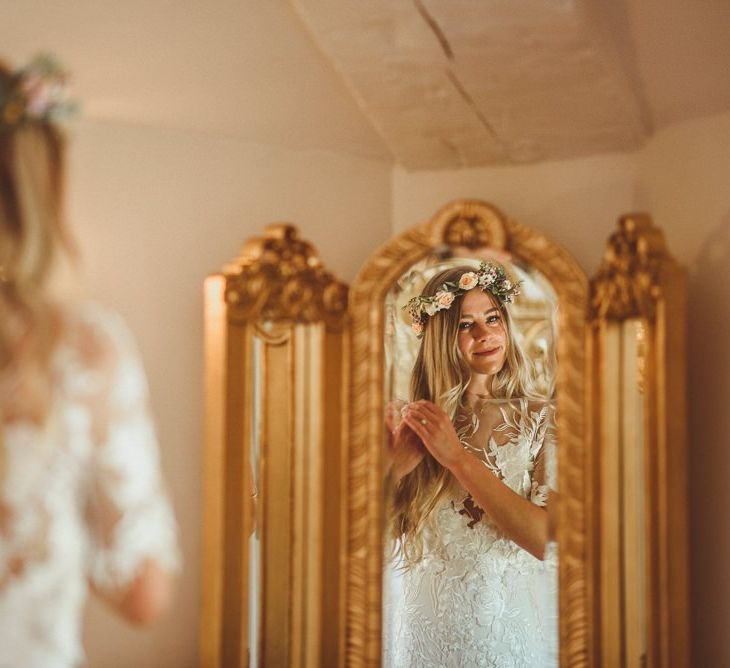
{"x":467,"y":224}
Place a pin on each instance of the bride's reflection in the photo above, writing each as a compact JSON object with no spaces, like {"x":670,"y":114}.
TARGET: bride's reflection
{"x":471,"y":577}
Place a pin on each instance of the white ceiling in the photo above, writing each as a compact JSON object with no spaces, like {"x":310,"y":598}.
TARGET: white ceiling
{"x":452,"y":83}
{"x":245,"y":69}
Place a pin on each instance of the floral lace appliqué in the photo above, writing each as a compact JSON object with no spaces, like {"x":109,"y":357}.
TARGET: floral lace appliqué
{"x":476,"y":598}
{"x":82,"y":498}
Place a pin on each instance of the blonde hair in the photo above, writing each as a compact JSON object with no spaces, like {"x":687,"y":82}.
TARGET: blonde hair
{"x":442,"y":376}
{"x":31,"y":234}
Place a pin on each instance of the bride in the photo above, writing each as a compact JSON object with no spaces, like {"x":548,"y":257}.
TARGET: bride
{"x":472,"y":466}
{"x":82,"y":502}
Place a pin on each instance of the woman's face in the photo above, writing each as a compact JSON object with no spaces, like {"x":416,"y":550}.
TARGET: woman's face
{"x":482,"y":337}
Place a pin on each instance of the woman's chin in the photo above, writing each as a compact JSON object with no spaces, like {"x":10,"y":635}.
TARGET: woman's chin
{"x":487,"y":366}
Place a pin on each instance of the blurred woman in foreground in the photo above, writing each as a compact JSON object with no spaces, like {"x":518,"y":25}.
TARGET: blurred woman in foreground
{"x":82,"y":502}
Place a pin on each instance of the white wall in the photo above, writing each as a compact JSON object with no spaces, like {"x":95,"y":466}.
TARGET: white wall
{"x":681,"y":178}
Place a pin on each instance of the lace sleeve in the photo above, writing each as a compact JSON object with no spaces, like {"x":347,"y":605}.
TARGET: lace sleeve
{"x":130,"y":516}
{"x":544,"y":473}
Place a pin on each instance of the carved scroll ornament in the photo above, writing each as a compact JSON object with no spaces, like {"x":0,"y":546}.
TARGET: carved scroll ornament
{"x":628,"y":282}
{"x":279,"y":277}
{"x":472,"y":224}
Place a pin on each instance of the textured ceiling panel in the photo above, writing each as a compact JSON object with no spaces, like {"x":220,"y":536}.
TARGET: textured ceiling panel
{"x":458,"y":83}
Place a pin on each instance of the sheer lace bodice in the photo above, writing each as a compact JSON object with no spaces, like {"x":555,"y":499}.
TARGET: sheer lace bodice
{"x":476,"y":598}
{"x":82,"y":496}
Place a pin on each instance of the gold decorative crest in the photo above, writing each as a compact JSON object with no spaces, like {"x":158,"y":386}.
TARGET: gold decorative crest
{"x":279,"y":277}
{"x":628,"y":283}
{"x":471,"y":224}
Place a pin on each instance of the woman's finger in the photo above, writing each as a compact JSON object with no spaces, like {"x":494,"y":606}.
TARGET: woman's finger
{"x":425,"y":408}
{"x":419,"y":426}
{"x":437,"y":432}
{"x":405,"y":437}
{"x":428,"y":406}
{"x":431,"y":416}
{"x":420,"y":421}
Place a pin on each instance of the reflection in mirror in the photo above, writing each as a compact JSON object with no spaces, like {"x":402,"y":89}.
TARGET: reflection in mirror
{"x":623,"y":482}
{"x":634,"y":552}
{"x":534,"y":314}
{"x":470,"y":577}
{"x":286,"y":476}
{"x":254,"y":542}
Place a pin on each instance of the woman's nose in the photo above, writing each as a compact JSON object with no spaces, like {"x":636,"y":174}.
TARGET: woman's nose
{"x":479,"y":330}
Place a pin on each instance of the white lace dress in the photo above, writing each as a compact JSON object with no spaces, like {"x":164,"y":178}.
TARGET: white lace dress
{"x":82,"y":497}
{"x":476,"y":598}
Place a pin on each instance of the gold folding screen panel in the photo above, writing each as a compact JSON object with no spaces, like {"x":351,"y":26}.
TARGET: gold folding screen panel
{"x":638,"y":329}
{"x":274,"y":344}
{"x":292,"y":541}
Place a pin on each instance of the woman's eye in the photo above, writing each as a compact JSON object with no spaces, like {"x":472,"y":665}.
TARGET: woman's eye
{"x":492,"y":319}
{"x":465,"y":325}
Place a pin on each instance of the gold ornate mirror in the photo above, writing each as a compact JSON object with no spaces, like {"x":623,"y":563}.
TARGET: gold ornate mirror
{"x":552,"y":323}
{"x":275,"y":341}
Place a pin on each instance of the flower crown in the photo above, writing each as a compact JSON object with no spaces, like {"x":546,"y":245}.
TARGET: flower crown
{"x":489,"y":277}
{"x":38,"y":92}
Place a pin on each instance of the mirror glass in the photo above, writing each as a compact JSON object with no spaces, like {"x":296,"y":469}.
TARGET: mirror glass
{"x":624,"y":525}
{"x":634,"y":523}
{"x":456,"y":589}
{"x":254,"y":543}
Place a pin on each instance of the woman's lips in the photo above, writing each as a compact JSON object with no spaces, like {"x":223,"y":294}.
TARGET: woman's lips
{"x":487,"y":353}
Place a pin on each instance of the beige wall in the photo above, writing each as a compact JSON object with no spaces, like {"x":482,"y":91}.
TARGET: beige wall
{"x":155,"y":212}
{"x":685,"y":183}
{"x":681,"y":178}
{"x":575,"y":202}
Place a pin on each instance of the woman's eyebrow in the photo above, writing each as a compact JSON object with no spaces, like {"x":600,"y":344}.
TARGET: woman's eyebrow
{"x":470,"y":315}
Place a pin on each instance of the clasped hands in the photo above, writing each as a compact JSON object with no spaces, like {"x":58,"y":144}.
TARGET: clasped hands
{"x":424,"y":426}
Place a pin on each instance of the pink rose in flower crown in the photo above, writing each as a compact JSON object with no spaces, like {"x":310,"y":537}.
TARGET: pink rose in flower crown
{"x":468,"y":280}
{"x":42,"y":93}
{"x":417,"y":327}
{"x":444,"y":299}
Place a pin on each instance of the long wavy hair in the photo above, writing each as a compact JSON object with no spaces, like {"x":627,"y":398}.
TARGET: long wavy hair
{"x":31,"y":236}
{"x":441,"y":375}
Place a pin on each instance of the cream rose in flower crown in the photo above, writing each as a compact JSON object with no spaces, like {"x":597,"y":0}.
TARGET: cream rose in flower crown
{"x":489,"y":277}
{"x":468,"y":280}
